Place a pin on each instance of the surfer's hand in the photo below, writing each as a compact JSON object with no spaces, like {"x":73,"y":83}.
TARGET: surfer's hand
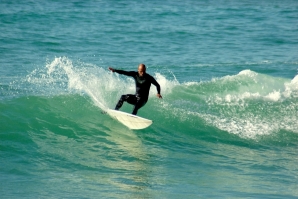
{"x":159,"y":96}
{"x":111,"y":69}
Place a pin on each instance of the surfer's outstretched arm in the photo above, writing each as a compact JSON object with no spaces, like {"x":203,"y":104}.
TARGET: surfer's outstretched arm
{"x":111,"y":69}
{"x":122,"y":72}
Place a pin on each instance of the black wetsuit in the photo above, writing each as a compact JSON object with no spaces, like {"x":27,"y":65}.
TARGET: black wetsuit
{"x":142,"y":90}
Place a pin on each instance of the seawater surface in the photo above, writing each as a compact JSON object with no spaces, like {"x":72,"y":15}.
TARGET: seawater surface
{"x":227,"y":126}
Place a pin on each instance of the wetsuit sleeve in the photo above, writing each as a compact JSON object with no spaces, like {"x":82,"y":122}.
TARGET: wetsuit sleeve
{"x":127,"y":73}
{"x":154,"y":82}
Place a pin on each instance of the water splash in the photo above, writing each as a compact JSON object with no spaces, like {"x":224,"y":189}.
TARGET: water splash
{"x":101,"y":85}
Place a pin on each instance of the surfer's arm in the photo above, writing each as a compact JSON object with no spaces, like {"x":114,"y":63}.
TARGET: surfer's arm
{"x":156,"y":84}
{"x":122,"y":72}
{"x":127,"y":73}
{"x":111,"y":69}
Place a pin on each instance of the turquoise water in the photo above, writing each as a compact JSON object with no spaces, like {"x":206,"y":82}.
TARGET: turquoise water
{"x":227,"y":126}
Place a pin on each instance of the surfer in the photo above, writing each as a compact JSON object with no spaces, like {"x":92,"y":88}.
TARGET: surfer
{"x":143,"y":82}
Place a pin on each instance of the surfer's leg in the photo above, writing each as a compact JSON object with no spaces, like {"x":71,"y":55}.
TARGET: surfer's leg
{"x":140,"y":103}
{"x":132,"y":99}
{"x":129,"y":98}
{"x":122,"y":99}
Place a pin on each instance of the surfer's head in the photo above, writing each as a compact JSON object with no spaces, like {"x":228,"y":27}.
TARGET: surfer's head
{"x":142,"y":69}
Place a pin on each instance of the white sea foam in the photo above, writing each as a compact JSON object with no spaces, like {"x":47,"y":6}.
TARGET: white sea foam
{"x":255,"y":104}
{"x":103,"y":86}
{"x":250,"y":85}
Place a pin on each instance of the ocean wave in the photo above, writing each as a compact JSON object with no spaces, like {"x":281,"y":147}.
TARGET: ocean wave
{"x":247,"y":104}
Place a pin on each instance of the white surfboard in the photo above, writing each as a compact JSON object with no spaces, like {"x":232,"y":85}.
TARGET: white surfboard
{"x":129,"y":120}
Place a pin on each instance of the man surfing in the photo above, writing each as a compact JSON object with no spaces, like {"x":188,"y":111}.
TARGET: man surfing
{"x":143,"y":82}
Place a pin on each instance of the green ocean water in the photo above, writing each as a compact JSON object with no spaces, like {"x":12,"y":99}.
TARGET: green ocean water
{"x":227,"y":126}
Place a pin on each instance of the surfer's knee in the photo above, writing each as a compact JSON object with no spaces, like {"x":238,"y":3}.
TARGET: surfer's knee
{"x":124,"y":97}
